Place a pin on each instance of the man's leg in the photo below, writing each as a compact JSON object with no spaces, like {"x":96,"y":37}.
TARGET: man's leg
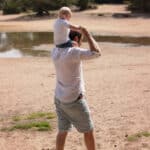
{"x":60,"y":140}
{"x":89,"y":140}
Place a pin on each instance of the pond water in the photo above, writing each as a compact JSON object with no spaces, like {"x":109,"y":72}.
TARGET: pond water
{"x":27,"y":44}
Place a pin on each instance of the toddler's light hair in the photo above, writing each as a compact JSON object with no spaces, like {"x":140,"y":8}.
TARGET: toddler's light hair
{"x":64,"y":11}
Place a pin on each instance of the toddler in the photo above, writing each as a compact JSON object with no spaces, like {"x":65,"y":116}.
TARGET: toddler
{"x":62,"y":28}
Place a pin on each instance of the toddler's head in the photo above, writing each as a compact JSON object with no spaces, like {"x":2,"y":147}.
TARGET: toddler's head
{"x":65,"y":13}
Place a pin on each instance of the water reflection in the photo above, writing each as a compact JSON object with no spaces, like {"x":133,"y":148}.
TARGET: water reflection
{"x":13,"y":53}
{"x":27,"y":43}
{"x":3,"y":40}
{"x":21,"y":44}
{"x":3,"y":37}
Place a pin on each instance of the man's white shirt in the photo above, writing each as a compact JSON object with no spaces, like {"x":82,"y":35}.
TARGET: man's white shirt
{"x":69,"y":74}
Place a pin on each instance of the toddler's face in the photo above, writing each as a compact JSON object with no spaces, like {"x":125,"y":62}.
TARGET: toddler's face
{"x":68,"y":16}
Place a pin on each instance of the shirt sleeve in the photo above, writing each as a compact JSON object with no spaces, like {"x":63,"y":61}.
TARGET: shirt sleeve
{"x":85,"y":54}
{"x":66,"y":23}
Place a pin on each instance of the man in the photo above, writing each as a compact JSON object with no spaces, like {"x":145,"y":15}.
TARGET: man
{"x":70,"y":102}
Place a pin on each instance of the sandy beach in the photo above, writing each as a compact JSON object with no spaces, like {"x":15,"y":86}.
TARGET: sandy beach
{"x":117,"y":86}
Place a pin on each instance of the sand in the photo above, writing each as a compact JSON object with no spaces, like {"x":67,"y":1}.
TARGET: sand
{"x":117,"y":84}
{"x":118,"y":94}
{"x":104,"y":25}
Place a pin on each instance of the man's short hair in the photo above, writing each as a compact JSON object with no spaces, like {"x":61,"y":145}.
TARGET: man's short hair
{"x":64,"y":11}
{"x":73,"y":34}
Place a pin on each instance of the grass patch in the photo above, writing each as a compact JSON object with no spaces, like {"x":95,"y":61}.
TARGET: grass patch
{"x":132,"y":138}
{"x":34,"y":115}
{"x":146,"y":134}
{"x":37,"y":115}
{"x":36,"y":121}
{"x":16,"y":118}
{"x":138,"y":135}
{"x":41,"y":126}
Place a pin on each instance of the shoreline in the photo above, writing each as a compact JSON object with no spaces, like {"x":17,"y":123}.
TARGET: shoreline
{"x":140,"y":40}
{"x":91,"y":19}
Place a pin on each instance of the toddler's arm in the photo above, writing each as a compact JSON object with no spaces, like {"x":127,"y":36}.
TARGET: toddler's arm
{"x":75,"y":27}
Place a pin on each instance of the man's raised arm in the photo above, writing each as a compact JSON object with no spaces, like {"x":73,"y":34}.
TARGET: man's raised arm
{"x":91,"y":41}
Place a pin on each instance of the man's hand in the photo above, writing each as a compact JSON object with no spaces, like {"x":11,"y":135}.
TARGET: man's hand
{"x":84,"y":30}
{"x":91,"y":41}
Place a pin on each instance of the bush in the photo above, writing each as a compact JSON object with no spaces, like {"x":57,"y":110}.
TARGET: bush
{"x":83,"y":4}
{"x":39,"y":6}
{"x":43,"y":6}
{"x":109,"y":1}
{"x":1,"y":4}
{"x":11,"y":7}
{"x":140,"y":5}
